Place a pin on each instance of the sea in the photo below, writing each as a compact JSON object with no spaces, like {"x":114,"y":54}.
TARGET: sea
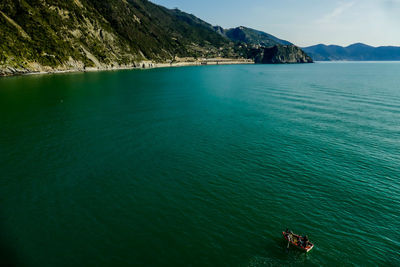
{"x":202,"y":166}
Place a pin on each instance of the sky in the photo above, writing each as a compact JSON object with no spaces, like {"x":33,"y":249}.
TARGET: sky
{"x":304,"y":22}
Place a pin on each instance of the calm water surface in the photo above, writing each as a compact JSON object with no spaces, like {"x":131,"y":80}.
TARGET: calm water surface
{"x":202,"y":166}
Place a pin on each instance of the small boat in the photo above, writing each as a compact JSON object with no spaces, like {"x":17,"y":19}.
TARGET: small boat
{"x":295,"y":240}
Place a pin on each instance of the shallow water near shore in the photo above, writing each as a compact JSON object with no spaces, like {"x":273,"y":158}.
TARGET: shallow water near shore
{"x":202,"y":166}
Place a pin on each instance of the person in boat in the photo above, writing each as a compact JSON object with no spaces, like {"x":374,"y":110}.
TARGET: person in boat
{"x":305,"y":241}
{"x":288,"y":233}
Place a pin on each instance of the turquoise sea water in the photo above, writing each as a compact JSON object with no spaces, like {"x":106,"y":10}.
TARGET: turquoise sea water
{"x":201,"y":166}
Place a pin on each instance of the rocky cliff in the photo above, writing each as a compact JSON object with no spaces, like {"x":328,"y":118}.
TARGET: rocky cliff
{"x":281,"y":54}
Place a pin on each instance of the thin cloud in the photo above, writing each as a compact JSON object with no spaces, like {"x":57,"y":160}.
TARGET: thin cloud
{"x":391,"y":8}
{"x":339,"y":10}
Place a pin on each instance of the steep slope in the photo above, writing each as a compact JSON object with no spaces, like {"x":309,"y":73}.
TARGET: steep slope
{"x":277,"y":54}
{"x":49,"y":35}
{"x":64,"y":34}
{"x":264,"y":48}
{"x":150,"y":27}
{"x":251,"y":36}
{"x":359,"y":52}
{"x":58,"y":33}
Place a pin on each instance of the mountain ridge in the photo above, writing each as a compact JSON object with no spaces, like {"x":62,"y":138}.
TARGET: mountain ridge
{"x":356,"y":51}
{"x":251,"y":36}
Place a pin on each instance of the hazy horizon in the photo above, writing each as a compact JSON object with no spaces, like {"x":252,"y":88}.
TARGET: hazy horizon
{"x":306,"y":23}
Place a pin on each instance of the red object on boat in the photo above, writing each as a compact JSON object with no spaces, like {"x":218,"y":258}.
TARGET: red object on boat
{"x":295,"y":240}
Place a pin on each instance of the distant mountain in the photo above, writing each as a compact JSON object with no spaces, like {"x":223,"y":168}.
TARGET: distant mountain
{"x":48,"y":35}
{"x":358,"y":52}
{"x":251,"y":36}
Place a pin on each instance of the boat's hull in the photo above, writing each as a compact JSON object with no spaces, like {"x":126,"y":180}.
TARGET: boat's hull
{"x":295,"y":242}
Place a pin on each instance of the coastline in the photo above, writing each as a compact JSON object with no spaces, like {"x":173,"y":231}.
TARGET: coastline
{"x":9,"y":71}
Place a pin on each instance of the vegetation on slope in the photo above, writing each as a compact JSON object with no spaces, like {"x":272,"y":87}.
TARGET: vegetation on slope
{"x":96,"y":32}
{"x":76,"y":34}
{"x":254,"y":37}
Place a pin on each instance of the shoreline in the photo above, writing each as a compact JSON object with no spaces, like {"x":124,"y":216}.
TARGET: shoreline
{"x":143,"y":65}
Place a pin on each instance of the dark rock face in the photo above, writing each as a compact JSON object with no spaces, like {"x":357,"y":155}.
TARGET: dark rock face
{"x":281,"y":54}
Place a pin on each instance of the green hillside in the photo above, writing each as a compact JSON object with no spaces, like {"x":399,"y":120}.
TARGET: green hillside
{"x":90,"y":33}
{"x":46,"y":35}
{"x":254,"y":37}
